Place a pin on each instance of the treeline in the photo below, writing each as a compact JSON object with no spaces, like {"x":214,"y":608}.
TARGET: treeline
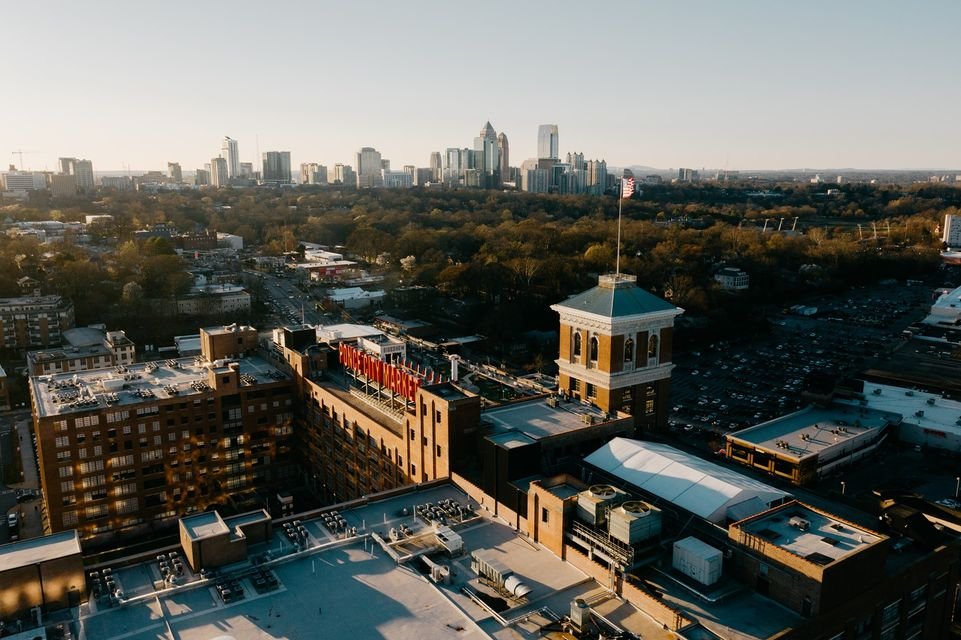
{"x":522,"y":251}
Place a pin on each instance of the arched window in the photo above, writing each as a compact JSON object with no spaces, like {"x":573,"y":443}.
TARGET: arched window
{"x":594,"y":348}
{"x":652,"y":347}
{"x":629,"y":350}
{"x":577,"y":344}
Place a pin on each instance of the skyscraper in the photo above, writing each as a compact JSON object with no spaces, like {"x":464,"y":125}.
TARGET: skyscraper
{"x":201,"y":177}
{"x":313,"y":173}
{"x":487,"y":157}
{"x":344,"y":174}
{"x":547,"y":142}
{"x":436,"y":167}
{"x":503,"y":148}
{"x":218,"y":172}
{"x":276,"y":166}
{"x":369,"y":167}
{"x":82,"y":170}
{"x":175,"y":172}
{"x":228,"y":150}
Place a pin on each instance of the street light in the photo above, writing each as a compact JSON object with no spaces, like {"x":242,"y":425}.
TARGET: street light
{"x":957,"y":486}
{"x":843,"y":486}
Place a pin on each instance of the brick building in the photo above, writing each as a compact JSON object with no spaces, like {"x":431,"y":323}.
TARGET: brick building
{"x":615,"y":349}
{"x":161,"y":439}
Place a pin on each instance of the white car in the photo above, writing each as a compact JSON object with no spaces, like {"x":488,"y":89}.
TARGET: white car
{"x":12,"y":520}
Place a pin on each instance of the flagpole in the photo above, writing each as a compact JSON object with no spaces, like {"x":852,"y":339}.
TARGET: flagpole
{"x":620,"y":204}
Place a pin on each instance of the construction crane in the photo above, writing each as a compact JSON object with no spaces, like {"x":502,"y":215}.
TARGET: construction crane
{"x":20,"y":152}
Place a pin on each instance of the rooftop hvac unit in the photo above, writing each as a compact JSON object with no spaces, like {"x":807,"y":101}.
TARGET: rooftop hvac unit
{"x":634,"y":521}
{"x":580,"y":613}
{"x":698,"y":560}
{"x":552,"y":401}
{"x":497,"y":573}
{"x":930,"y":401}
{"x":587,"y":418}
{"x":919,"y":413}
{"x":877,"y":391}
{"x":592,"y":504}
{"x":799,"y":523}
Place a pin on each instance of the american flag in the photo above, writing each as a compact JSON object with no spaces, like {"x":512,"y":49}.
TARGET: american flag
{"x":627,"y":187}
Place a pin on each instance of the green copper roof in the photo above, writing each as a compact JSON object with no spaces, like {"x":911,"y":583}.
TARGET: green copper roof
{"x":617,"y":302}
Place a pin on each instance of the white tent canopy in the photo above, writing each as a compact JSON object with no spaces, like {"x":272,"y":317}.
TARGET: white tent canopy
{"x":703,"y":488}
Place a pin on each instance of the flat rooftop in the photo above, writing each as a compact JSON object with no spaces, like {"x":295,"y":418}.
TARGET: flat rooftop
{"x":204,"y":525}
{"x":30,"y":301}
{"x":351,"y":587}
{"x":814,"y":431}
{"x":231,"y":328}
{"x":813,"y":535}
{"x":67,"y":353}
{"x":537,"y":419}
{"x":66,"y":393}
{"x":36,"y":550}
{"x":922,"y":409}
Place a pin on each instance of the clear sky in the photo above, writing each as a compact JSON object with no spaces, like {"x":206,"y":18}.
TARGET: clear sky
{"x":743,"y":85}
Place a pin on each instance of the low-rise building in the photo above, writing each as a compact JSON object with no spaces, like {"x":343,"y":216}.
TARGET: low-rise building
{"x":114,"y":350}
{"x":733,"y":279}
{"x":210,"y":541}
{"x":45,"y":572}
{"x":214,"y":299}
{"x":804,"y":446}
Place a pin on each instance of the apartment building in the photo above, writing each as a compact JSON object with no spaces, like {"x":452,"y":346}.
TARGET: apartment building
{"x":34,"y":321}
{"x":121,"y":450}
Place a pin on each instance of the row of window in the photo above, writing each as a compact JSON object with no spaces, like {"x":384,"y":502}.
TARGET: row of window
{"x":594,"y":347}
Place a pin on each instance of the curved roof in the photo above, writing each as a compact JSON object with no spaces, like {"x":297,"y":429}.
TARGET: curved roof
{"x":703,"y":488}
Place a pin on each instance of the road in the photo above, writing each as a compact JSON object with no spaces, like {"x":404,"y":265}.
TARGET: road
{"x":287,"y":301}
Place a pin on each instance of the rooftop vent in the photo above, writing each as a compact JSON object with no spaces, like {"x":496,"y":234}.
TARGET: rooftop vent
{"x":799,"y":523}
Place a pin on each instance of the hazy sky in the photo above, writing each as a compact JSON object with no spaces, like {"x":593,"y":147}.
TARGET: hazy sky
{"x":766,"y":84}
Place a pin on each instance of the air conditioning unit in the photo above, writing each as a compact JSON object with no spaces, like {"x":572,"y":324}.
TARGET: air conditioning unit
{"x":552,"y":401}
{"x":799,"y":523}
{"x":587,"y":418}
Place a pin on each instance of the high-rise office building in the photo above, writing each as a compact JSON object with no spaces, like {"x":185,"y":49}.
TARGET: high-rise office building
{"x":219,"y":176}
{"x":576,"y":160}
{"x":82,"y":170}
{"x":487,"y":158}
{"x":229,"y":152}
{"x":534,"y":178}
{"x":596,"y":176}
{"x":175,"y":173}
{"x":313,"y":173}
{"x":344,"y":174}
{"x":436,"y":167}
{"x":369,"y":168}
{"x":547,"y":141}
{"x":503,"y":149}
{"x":247,"y":170}
{"x":201,"y":177}
{"x":24,"y":181}
{"x":276,"y":167}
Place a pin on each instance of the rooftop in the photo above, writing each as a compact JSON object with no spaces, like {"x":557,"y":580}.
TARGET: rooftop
{"x":83,"y":336}
{"x":811,"y":534}
{"x":65,"y":393}
{"x":204,"y":525}
{"x":346,"y":331}
{"x":66,"y":353}
{"x":30,"y":301}
{"x":617,"y":297}
{"x":814,"y":431}
{"x":926,"y":410}
{"x":537,"y":419}
{"x":703,"y":488}
{"x":225,"y":329}
{"x":35,"y":550}
{"x":343,"y":587}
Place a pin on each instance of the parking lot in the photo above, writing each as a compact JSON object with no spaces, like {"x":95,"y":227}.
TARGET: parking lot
{"x":731,"y":385}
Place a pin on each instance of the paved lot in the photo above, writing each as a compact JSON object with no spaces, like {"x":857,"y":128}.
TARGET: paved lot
{"x":728,"y":386}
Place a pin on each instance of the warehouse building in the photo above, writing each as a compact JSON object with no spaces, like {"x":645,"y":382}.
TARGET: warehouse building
{"x":42,"y":572}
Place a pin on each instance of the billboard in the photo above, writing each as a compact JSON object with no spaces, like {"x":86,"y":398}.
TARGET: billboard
{"x":383,"y":373}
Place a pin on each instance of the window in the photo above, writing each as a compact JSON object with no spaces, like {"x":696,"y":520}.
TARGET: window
{"x":577,"y":344}
{"x":652,"y":347}
{"x":92,"y":465}
{"x":438,"y":451}
{"x":66,"y":472}
{"x":126,"y":506}
{"x":545,"y":514}
{"x":413,"y":469}
{"x":69,"y":518}
{"x":649,"y":407}
{"x":594,"y":348}
{"x":629,"y":350}
{"x":66,"y":486}
{"x":591,"y":390}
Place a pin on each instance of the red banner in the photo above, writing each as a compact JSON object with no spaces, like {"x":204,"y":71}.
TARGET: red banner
{"x":375,"y":370}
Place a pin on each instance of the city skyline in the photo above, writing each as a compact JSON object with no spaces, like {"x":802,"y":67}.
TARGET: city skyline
{"x":739,"y":86}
